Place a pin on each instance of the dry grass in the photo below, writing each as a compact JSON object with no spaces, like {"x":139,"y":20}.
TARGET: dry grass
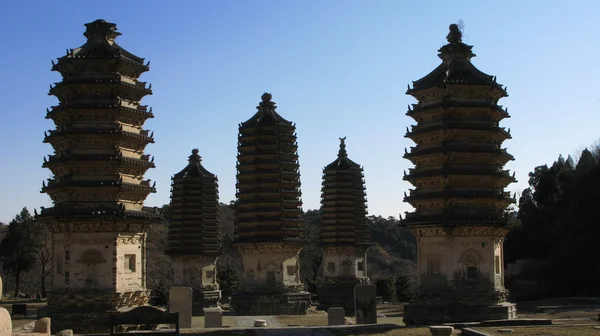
{"x":558,"y":330}
{"x":410,"y":332}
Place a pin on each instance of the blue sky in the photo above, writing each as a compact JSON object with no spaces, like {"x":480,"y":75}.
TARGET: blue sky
{"x":335,"y":67}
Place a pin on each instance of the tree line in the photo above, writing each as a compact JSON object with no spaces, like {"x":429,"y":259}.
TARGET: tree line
{"x":560,"y":223}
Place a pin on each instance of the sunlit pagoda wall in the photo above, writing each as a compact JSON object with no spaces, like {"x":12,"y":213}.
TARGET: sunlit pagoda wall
{"x":194,"y":238}
{"x":98,"y":219}
{"x":460,"y":217}
{"x":268,"y":223}
{"x":343,"y":232}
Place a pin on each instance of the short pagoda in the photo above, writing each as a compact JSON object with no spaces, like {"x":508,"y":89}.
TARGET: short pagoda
{"x":98,"y":219}
{"x":343,"y":233}
{"x":460,"y":218}
{"x":194,"y":238}
{"x":268,"y":221}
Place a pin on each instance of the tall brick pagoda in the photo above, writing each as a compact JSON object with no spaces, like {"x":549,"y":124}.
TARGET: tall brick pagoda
{"x":459,"y":220}
{"x":98,"y":220}
{"x":343,"y":232}
{"x":268,"y":223}
{"x":194,"y":239}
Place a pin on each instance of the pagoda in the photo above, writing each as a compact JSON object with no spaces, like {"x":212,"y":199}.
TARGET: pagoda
{"x":343,"y":233}
{"x":98,"y":219}
{"x":268,"y":220}
{"x":194,"y":238}
{"x":460,"y":204}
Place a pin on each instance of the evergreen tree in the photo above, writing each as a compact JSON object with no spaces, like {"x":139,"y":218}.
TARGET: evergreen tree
{"x":18,"y":249}
{"x":405,"y":290}
{"x":228,"y":278}
{"x":386,"y":288}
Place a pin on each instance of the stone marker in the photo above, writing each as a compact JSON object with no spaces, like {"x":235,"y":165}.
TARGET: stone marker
{"x":441,"y":330}
{"x":42,"y":326}
{"x":260,"y":323}
{"x":365,"y":304}
{"x":5,"y":322}
{"x":213,"y":318}
{"x":180,"y":301}
{"x":66,"y":332}
{"x":336,"y":316}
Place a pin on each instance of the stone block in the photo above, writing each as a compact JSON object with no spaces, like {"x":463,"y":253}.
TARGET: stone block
{"x":336,"y":316}
{"x":5,"y":322}
{"x":441,"y":330}
{"x":42,"y":326}
{"x":260,"y":323}
{"x":251,"y":304}
{"x":180,"y":301}
{"x":213,"y":318}
{"x":365,"y":304}
{"x":423,"y":313}
{"x":65,"y":332}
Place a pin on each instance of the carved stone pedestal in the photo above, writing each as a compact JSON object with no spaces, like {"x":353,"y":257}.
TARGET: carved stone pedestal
{"x":436,"y":313}
{"x":87,"y":311}
{"x":199,"y":273}
{"x":203,"y":298}
{"x":338,"y":295}
{"x":343,"y":268}
{"x":254,"y":304}
{"x":271,"y":281}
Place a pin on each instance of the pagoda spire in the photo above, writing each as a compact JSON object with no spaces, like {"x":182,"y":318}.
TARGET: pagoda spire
{"x":194,"y":239}
{"x":343,"y":231}
{"x":268,"y":217}
{"x":459,"y":195}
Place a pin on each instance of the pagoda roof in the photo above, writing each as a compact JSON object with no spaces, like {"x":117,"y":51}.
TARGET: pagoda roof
{"x":456,"y":67}
{"x":101,"y":44}
{"x":342,"y":162}
{"x":194,"y":169}
{"x":266,"y":114}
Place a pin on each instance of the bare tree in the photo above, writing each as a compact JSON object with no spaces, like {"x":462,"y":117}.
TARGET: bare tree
{"x":44,"y":255}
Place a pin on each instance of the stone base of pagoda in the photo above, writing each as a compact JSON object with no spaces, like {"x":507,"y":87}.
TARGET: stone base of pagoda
{"x":270,"y":283}
{"x":88,"y":311}
{"x":432,"y":313}
{"x":338,"y":294}
{"x":204,"y":298}
{"x":256,"y":304}
{"x":200,"y":274}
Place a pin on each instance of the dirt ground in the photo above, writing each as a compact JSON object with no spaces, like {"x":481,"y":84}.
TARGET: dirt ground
{"x":587,"y":330}
{"x":581,"y":315}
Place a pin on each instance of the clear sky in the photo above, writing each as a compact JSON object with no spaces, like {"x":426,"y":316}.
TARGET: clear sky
{"x":335,"y":67}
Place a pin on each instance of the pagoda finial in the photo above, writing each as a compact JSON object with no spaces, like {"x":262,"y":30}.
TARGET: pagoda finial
{"x":455,"y":35}
{"x":266,"y":106}
{"x":195,"y":157}
{"x":101,"y":29}
{"x":342,"y":152}
{"x":266,"y":97}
